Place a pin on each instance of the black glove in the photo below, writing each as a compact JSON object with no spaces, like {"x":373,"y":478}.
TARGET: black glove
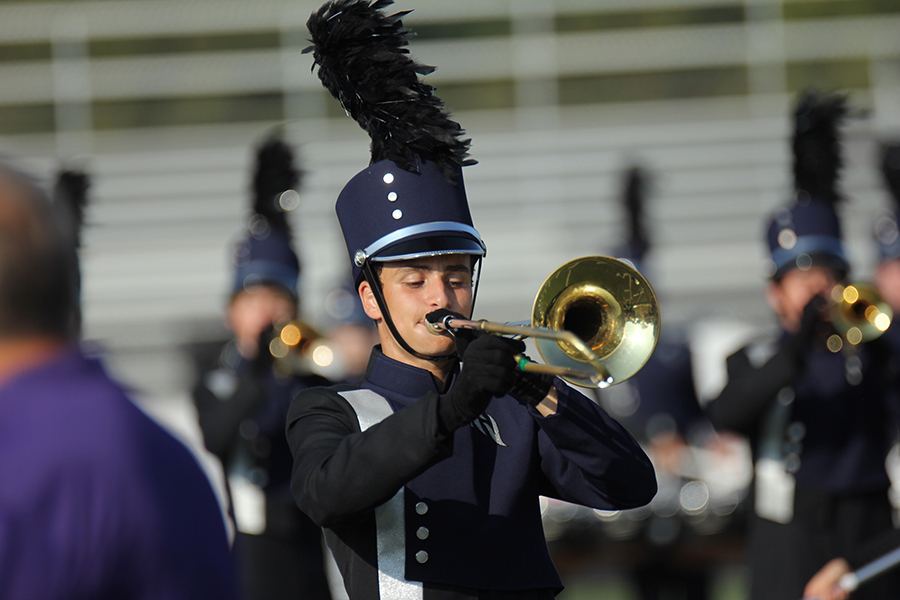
{"x":809,"y":322}
{"x":488,"y":371}
{"x":531,"y":388}
{"x":262,"y":364}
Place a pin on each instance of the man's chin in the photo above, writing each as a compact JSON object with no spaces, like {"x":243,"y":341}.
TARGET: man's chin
{"x":437,"y":350}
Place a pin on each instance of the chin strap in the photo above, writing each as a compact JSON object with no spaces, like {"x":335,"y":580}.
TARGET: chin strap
{"x":375,"y":285}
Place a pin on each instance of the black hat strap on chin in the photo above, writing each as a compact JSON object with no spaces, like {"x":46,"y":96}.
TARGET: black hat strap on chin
{"x":375,"y":285}
{"x":476,"y":274}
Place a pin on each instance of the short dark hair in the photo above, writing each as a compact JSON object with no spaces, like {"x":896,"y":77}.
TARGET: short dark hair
{"x":37,"y":265}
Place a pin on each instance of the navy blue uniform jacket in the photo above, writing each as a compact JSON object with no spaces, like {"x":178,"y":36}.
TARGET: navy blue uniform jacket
{"x":470,"y":500}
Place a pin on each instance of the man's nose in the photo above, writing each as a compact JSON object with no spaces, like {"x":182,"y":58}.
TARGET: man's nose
{"x":823,"y":285}
{"x":437,"y":294}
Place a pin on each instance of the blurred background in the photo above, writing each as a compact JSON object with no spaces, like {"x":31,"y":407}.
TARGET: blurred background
{"x":163,"y":101}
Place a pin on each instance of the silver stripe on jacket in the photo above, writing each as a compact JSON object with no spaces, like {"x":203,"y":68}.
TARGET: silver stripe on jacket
{"x":370,"y":409}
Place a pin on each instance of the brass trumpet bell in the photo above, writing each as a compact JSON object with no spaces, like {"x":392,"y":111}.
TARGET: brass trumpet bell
{"x":858,"y":314}
{"x":299,"y":349}
{"x":609,"y":305}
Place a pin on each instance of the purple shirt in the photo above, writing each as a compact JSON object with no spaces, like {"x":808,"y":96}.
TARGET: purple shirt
{"x":97,"y":500}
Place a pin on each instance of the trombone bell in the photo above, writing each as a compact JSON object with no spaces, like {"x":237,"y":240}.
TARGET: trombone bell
{"x":299,"y":349}
{"x":858,"y":313}
{"x":609,"y":305}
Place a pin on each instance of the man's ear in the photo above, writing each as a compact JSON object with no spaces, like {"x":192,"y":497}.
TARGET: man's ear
{"x":370,"y":305}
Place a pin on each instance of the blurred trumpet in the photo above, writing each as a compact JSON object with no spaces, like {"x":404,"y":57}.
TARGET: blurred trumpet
{"x":858,"y":313}
{"x":299,"y":349}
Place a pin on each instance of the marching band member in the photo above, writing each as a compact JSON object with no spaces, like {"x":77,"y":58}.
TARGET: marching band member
{"x":97,"y":500}
{"x":887,"y":236}
{"x":825,"y":584}
{"x":818,"y":421}
{"x":426,"y":475}
{"x":242,"y":401}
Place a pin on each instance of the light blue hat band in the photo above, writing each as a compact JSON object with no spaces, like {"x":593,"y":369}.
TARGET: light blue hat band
{"x":417,"y":231}
{"x":264,"y":272}
{"x":809,"y":244}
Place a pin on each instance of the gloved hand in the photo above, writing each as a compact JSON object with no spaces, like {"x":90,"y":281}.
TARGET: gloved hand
{"x":464,"y":337}
{"x":488,"y":371}
{"x":531,"y":388}
{"x":812,"y":316}
{"x":264,"y":360}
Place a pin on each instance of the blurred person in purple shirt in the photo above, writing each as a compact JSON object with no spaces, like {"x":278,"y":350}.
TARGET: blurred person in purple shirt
{"x":96,"y":500}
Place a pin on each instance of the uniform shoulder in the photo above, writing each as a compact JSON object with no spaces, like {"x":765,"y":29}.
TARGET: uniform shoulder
{"x":713,"y":340}
{"x":321,"y":399}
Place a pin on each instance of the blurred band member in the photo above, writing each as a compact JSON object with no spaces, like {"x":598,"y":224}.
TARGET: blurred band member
{"x":887,"y":235}
{"x":96,"y":499}
{"x":242,"y":401}
{"x":818,"y":419}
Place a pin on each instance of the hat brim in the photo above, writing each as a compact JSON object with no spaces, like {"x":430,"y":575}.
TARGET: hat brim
{"x":432,"y":245}
{"x":828,"y":261}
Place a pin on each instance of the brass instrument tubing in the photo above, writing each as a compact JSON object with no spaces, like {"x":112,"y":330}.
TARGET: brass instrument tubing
{"x":560,"y":336}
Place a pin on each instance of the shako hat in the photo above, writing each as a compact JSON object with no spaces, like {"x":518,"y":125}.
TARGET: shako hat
{"x":807,"y":231}
{"x":887,"y":226}
{"x":410,"y":201}
{"x":263,"y":254}
{"x":389,"y":213}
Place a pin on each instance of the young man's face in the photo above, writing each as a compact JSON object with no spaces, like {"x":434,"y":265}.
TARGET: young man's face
{"x":887,"y":281}
{"x":253,"y":311}
{"x":412,"y":289}
{"x":790,"y":295}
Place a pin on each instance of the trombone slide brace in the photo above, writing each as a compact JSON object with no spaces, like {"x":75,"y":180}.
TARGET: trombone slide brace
{"x":448,"y":322}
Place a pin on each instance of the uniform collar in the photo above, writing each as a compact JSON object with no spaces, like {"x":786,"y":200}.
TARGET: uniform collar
{"x":399,"y":377}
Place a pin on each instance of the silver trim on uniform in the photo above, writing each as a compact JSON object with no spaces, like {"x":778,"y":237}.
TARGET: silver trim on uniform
{"x":371,"y":408}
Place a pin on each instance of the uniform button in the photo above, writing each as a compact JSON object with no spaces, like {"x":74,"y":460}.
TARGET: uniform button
{"x":422,"y":533}
{"x":421,"y":508}
{"x":422,"y":556}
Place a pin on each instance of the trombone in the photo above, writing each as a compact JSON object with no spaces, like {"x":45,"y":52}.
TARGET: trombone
{"x":595,"y":322}
{"x":858,"y":314}
{"x":297,"y":348}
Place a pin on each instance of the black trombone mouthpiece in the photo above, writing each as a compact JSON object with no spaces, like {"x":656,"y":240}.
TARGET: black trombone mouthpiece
{"x":442,"y":316}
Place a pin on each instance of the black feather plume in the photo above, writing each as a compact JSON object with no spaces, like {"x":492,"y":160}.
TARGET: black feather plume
{"x":275,"y":173}
{"x":635,"y":183}
{"x":70,"y":199}
{"x":363,"y":61}
{"x":816,"y":144}
{"x":890,"y":170}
